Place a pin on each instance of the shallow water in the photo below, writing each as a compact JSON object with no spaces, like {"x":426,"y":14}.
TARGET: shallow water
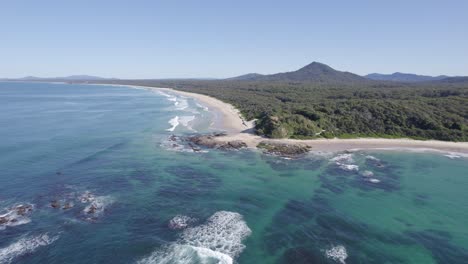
{"x":104,"y":152}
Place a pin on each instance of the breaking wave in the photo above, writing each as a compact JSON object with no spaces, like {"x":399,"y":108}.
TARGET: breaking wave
{"x":219,"y":240}
{"x":186,"y":121}
{"x":337,"y":254}
{"x":24,"y":246}
{"x":96,"y":206}
{"x":16,"y":215}
{"x":174,"y":122}
{"x":181,"y":222}
{"x":344,"y":162}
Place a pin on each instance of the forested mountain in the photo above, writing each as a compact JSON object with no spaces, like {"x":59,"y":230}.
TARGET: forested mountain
{"x":246,"y":77}
{"x":403,"y":77}
{"x":455,"y":80}
{"x":315,"y":72}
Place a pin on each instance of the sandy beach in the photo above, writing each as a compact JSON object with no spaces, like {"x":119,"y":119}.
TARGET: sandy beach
{"x":230,"y":120}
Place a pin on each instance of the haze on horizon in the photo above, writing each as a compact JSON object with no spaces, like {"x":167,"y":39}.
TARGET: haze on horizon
{"x":165,"y":39}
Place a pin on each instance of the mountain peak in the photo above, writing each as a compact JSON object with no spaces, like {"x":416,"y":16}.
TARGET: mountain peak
{"x":316,"y":67}
{"x":314,"y":72}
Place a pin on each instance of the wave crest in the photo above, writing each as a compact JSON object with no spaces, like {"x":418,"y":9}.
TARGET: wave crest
{"x":219,"y":240}
{"x":25,"y":246}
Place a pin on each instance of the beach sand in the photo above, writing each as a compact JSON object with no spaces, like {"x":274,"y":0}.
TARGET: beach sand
{"x":231,"y":121}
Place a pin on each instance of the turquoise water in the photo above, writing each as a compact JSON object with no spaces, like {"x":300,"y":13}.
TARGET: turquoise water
{"x":135,"y":197}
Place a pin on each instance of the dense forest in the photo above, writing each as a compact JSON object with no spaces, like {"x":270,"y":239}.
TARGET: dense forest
{"x":302,"y":110}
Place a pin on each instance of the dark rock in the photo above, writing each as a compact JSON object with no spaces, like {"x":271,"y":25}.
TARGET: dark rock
{"x":23,"y":209}
{"x":235,"y":144}
{"x":92,"y":209}
{"x":210,"y":141}
{"x":204,"y":140}
{"x":194,"y":148}
{"x":55,"y":204}
{"x":283,"y":149}
{"x":3,"y":220}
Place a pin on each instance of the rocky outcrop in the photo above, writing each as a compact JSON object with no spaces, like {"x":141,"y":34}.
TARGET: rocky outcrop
{"x":283,"y":149}
{"x":211,"y":141}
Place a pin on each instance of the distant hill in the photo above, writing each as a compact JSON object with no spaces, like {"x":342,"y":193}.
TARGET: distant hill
{"x":403,"y":77}
{"x":460,"y":79}
{"x":314,"y":72}
{"x":82,"y":77}
{"x":248,"y":76}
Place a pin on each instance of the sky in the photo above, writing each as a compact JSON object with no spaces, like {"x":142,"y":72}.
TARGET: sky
{"x":197,"y":39}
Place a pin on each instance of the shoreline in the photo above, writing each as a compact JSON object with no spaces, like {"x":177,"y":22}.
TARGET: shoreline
{"x":238,"y":129}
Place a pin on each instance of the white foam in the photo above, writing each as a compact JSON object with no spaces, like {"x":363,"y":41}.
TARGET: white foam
{"x":174,"y":122}
{"x":181,"y":222}
{"x":185,"y":254}
{"x":16,"y":215}
{"x":373,"y":180}
{"x":223,"y":232}
{"x":348,"y":167}
{"x":343,"y":158}
{"x":337,"y":253}
{"x":369,"y":157}
{"x":367,"y":173}
{"x":453,"y":156}
{"x":202,"y":107}
{"x":186,"y":121}
{"x":343,"y":161}
{"x":164,"y":94}
{"x":98,"y":205}
{"x":24,"y":246}
{"x":219,"y":240}
{"x":181,"y":104}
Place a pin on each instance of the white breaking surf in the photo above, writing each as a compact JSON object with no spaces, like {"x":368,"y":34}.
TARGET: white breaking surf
{"x":23,"y":246}
{"x":219,"y":240}
{"x":337,"y":253}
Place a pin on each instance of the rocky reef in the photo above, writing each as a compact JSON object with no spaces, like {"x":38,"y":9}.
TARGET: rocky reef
{"x":210,"y":141}
{"x":283,"y":149}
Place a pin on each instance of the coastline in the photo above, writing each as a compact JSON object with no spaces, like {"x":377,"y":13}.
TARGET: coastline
{"x":238,"y":129}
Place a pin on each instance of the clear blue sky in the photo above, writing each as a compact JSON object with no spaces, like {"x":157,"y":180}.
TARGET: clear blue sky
{"x":161,"y":39}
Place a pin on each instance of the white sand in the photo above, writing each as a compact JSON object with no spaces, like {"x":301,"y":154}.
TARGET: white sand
{"x":238,"y":129}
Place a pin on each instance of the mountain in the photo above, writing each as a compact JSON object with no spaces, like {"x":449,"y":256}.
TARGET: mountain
{"x":246,"y":77}
{"x":81,"y":78}
{"x":458,"y":79}
{"x":30,"y":78}
{"x":404,"y":77}
{"x":314,"y":72}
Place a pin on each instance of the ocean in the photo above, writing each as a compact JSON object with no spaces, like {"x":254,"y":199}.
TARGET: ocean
{"x":92,"y":174}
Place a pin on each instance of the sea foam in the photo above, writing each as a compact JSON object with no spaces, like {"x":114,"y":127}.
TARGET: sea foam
{"x":16,"y":215}
{"x":24,"y":246}
{"x":219,"y":240}
{"x":174,"y":122}
{"x":186,"y":121}
{"x":344,"y":162}
{"x":181,"y":222}
{"x":337,"y":253}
